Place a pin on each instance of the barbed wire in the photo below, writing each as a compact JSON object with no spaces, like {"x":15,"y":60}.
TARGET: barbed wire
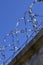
{"x":12,"y":34}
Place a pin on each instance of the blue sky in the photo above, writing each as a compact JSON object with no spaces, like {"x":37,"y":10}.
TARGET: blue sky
{"x":10,"y":10}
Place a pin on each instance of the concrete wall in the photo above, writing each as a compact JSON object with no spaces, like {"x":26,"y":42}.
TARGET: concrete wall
{"x":37,"y":59}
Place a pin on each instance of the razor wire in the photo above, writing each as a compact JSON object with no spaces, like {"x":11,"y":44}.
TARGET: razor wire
{"x":14,"y":34}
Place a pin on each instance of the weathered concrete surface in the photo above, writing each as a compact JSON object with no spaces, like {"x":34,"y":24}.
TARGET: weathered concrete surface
{"x":37,"y":59}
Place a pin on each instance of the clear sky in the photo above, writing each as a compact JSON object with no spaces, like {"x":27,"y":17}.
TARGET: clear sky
{"x":10,"y":10}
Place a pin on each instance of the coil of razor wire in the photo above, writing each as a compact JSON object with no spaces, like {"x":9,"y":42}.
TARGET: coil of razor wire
{"x":12,"y":34}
